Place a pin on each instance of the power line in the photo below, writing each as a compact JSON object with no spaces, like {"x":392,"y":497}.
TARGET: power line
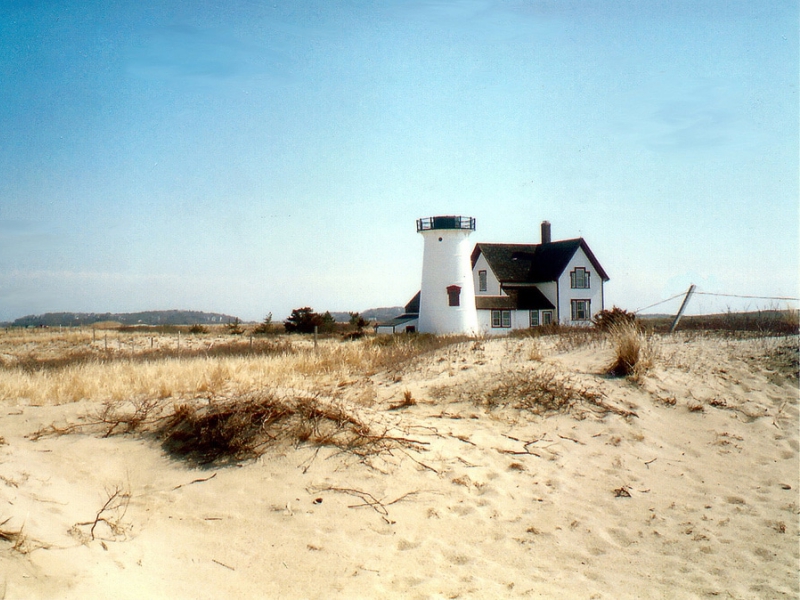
{"x":638,"y":310}
{"x":754,"y":297}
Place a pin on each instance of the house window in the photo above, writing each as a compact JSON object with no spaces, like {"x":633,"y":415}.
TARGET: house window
{"x":454,"y":295}
{"x":482,"y":281}
{"x":579,"y":279}
{"x":547,"y":317}
{"x":534,"y":318}
{"x":501,"y":318}
{"x":581,"y":310}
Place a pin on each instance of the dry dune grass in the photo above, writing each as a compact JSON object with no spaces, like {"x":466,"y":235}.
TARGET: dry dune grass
{"x":44,"y":373}
{"x":211,"y":410}
{"x":634,"y":353}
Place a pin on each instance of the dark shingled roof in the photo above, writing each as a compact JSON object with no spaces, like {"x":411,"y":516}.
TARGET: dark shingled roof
{"x":523,"y":299}
{"x":413,"y":305}
{"x":533,"y":263}
{"x":489,"y":302}
{"x":532,"y":299}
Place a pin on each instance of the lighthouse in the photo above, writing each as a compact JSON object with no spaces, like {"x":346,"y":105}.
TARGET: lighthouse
{"x":447,"y":295}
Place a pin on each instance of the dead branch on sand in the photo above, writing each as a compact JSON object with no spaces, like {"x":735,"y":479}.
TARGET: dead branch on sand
{"x":234,"y":429}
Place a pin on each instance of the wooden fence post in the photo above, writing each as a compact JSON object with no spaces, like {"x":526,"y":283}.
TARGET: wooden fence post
{"x":682,"y":308}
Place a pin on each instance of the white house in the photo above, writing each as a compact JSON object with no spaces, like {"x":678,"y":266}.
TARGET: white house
{"x":527,"y":285}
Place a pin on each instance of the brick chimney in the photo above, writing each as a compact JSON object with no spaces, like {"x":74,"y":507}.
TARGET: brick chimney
{"x":546,"y":239}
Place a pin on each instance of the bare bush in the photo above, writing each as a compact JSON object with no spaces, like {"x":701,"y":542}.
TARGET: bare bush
{"x":239,"y":428}
{"x":243,"y":428}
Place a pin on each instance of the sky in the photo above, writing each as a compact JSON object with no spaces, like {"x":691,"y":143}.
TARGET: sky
{"x":251,"y":157}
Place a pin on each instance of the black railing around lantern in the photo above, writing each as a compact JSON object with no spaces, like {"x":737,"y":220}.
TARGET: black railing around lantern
{"x":446,"y":222}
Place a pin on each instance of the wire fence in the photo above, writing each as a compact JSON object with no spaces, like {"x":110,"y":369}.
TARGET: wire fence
{"x":775,"y":320}
{"x":718,"y":295}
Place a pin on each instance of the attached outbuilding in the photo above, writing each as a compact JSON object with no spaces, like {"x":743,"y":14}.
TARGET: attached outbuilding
{"x":408,"y":322}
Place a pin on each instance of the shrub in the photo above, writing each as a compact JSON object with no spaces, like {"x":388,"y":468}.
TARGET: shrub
{"x":235,"y":327}
{"x":264,"y":327}
{"x":357,"y":321}
{"x":606,"y":319}
{"x":328,"y":323}
{"x":303,"y":320}
{"x":197,"y":328}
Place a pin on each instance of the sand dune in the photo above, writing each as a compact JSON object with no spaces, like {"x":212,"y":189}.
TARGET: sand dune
{"x":687,"y":488}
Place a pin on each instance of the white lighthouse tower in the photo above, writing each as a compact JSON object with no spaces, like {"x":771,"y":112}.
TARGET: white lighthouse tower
{"x":447,"y":295}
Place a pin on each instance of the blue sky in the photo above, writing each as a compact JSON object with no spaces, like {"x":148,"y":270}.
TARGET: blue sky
{"x":251,"y":157}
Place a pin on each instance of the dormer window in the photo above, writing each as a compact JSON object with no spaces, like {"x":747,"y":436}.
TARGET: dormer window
{"x":454,"y":295}
{"x":579,"y":279}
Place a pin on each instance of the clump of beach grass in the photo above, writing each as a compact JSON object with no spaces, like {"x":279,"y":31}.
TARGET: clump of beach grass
{"x":634,"y":354}
{"x":539,"y":389}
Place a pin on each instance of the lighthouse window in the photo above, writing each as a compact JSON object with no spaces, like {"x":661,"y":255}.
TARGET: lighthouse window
{"x":454,"y":295}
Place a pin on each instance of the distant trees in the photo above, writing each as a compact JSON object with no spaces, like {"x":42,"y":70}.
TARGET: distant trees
{"x":264,"y":327}
{"x":328,"y":323}
{"x":302,"y":320}
{"x":235,"y":327}
{"x":358,"y":321}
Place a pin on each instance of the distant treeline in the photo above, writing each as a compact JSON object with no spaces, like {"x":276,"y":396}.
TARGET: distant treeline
{"x":151,"y":317}
{"x":169,"y":317}
{"x":372,"y":314}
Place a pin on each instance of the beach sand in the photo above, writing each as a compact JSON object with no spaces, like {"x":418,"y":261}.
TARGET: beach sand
{"x":687,"y":489}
